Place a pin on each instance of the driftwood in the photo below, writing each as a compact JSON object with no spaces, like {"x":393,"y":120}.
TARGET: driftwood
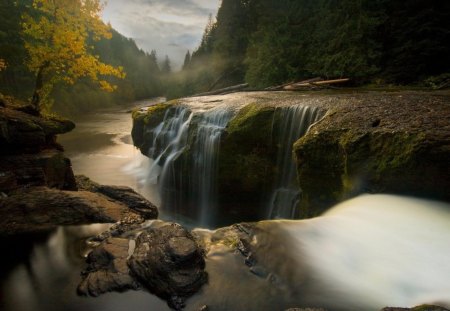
{"x":302,"y":85}
{"x":224,"y":91}
{"x":282,"y":86}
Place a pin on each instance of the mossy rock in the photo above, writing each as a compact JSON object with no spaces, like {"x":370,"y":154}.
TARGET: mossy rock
{"x":144,"y":119}
{"x":247,"y":156}
{"x":385,"y":144}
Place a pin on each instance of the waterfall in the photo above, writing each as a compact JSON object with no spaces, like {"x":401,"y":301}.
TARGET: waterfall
{"x":294,"y":122}
{"x":205,"y":160}
{"x":169,"y":139}
{"x":185,"y":147}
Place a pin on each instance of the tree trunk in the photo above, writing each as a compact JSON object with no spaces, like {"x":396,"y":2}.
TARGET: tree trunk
{"x":36,"y":99}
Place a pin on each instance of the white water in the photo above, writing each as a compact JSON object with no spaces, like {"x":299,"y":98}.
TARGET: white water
{"x":198,"y":173}
{"x":206,"y":149}
{"x":381,"y":250}
{"x":294,"y":123}
{"x":367,"y":253}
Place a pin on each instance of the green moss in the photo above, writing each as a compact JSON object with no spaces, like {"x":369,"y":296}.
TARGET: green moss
{"x":247,"y":154}
{"x":428,"y":308}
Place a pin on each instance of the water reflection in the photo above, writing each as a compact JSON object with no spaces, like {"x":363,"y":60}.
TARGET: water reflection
{"x":48,"y":277}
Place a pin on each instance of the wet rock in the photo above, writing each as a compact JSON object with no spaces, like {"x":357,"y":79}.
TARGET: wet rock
{"x":350,"y":151}
{"x":123,"y":194}
{"x":46,"y":168}
{"x":305,"y":309}
{"x":40,"y":208}
{"x":417,"y":308}
{"x":107,"y":269}
{"x":168,"y":261}
{"x":24,"y":132}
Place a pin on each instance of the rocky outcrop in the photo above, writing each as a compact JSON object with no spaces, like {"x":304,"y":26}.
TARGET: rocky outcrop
{"x":37,"y":185}
{"x":164,"y":258}
{"x":377,"y":143}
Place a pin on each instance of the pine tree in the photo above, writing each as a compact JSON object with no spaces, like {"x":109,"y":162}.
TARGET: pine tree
{"x":166,"y":67}
{"x":187,"y":61}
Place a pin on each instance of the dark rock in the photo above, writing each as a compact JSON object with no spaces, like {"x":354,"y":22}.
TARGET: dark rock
{"x":24,"y":132}
{"x":168,"y":261}
{"x":107,"y":269}
{"x":305,"y":309}
{"x":126,"y":195}
{"x":133,"y":200}
{"x":418,"y":308}
{"x":40,"y":208}
{"x":46,"y":168}
{"x":396,"y":143}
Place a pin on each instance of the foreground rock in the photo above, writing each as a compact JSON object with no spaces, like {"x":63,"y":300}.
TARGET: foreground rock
{"x":38,"y":190}
{"x":166,"y":260}
{"x":42,"y":208}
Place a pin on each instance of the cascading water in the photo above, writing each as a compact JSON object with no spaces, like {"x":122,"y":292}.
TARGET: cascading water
{"x":365,"y":254}
{"x":294,"y":123}
{"x":168,"y":143}
{"x":205,"y":156}
{"x":187,"y":180}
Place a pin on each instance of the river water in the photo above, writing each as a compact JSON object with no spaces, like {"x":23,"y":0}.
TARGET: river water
{"x":42,"y":272}
{"x":368,"y":253}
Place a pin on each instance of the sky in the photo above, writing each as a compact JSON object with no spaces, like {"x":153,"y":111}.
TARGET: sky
{"x":171,"y":27}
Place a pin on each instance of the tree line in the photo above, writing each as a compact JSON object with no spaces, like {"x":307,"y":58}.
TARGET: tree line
{"x":76,"y":55}
{"x":269,"y":42}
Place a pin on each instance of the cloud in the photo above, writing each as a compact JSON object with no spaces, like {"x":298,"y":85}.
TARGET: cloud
{"x":171,"y":27}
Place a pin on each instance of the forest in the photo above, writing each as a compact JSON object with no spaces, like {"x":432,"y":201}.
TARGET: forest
{"x":142,"y":74}
{"x":267,"y":42}
{"x":260,"y":42}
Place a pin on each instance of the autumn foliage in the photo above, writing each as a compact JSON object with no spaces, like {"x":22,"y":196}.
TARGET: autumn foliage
{"x":57,"y":42}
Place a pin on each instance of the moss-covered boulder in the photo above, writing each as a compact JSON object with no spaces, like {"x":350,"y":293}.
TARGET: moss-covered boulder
{"x":377,"y":143}
{"x":247,"y":157}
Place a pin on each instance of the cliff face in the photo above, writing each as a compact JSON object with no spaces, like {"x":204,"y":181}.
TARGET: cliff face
{"x":376,"y":142}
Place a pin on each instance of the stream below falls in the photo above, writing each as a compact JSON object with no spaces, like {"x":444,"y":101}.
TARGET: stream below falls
{"x":368,"y":253}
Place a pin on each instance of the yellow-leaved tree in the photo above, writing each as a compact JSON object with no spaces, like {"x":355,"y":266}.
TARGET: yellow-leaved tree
{"x":2,"y":64}
{"x":56,"y":38}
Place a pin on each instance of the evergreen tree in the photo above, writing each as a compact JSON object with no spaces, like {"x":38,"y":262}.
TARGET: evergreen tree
{"x":187,"y":60}
{"x":166,"y":67}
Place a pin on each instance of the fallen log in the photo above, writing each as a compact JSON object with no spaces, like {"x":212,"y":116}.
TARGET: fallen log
{"x":300,"y":85}
{"x":223,"y":91}
{"x":281,"y":86}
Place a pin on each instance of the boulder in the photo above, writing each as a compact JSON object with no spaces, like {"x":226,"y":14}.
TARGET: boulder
{"x":107,"y":269}
{"x":168,"y":261}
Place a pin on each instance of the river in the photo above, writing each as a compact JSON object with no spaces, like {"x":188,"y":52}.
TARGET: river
{"x":42,"y":272}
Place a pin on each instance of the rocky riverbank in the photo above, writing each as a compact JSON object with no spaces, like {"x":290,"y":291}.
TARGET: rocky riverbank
{"x":38,"y":188}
